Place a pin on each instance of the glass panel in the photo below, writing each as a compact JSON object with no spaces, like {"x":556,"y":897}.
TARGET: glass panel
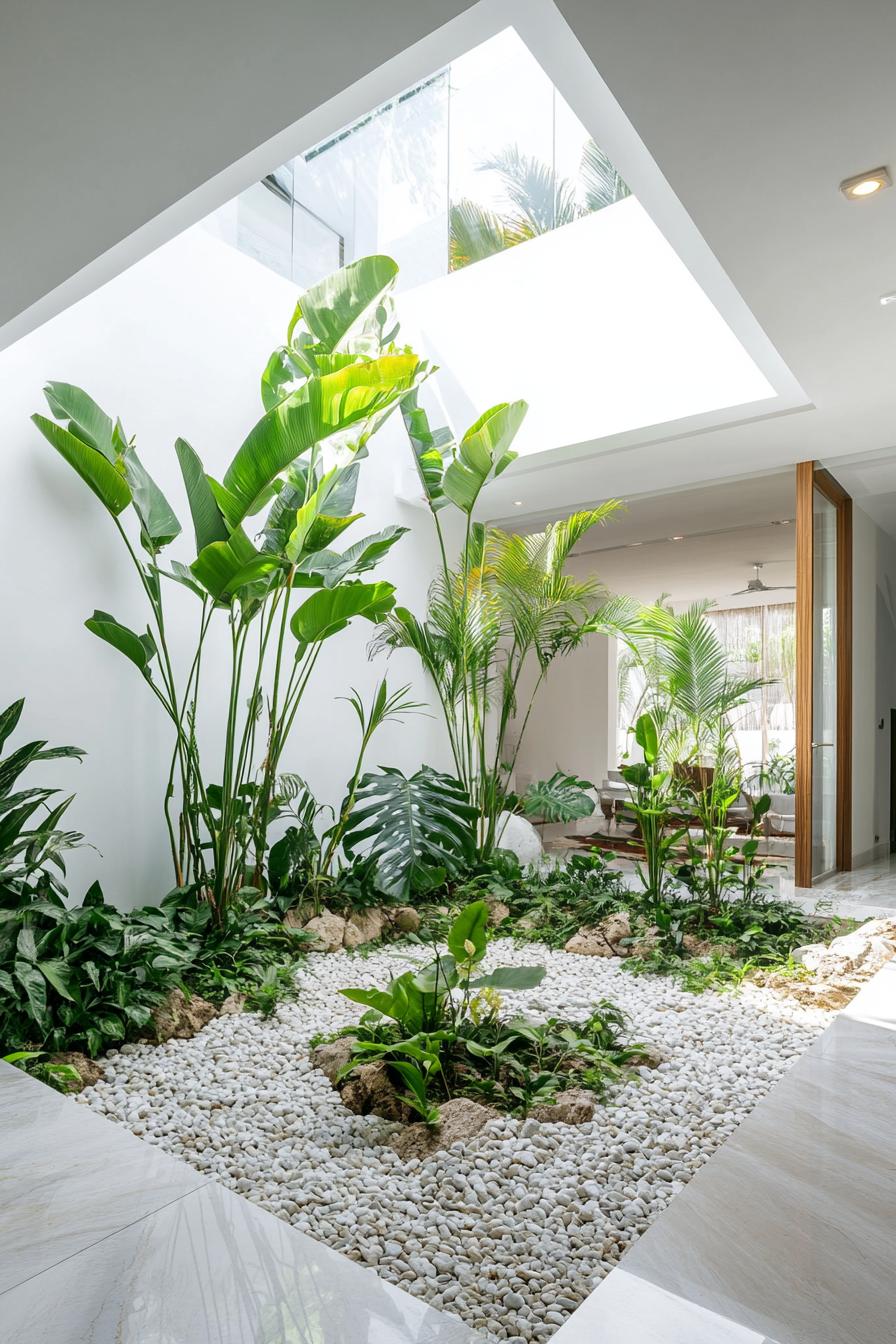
{"x":824,"y":688}
{"x":482,"y":155}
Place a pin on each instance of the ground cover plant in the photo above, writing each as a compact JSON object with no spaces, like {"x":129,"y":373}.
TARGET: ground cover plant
{"x":443,"y":1031}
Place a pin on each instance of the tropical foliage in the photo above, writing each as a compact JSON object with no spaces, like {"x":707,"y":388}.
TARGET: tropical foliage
{"x":538,"y":201}
{"x":326,"y":392}
{"x":442,"y":1031}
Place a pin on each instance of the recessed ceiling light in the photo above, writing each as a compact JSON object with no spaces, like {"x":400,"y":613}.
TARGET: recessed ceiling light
{"x":676,"y":538}
{"x":636,"y":543}
{"x":886,"y":299}
{"x":866,"y":184}
{"x":518,"y":503}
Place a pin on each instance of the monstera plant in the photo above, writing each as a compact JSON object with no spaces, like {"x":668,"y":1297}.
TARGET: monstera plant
{"x":266,"y":563}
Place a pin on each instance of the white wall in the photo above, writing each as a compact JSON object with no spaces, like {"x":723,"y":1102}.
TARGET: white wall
{"x":175,"y":346}
{"x":572,"y":724}
{"x":874,"y":685}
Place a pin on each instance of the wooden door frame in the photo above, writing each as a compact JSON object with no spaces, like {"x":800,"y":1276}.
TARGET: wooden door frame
{"x":809,"y":477}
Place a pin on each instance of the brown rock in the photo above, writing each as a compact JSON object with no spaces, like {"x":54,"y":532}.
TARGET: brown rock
{"x":233,"y":1004}
{"x":651,"y":1056}
{"x":370,"y":1091}
{"x":459,"y":1119}
{"x":328,"y":931}
{"x":575,"y":1106}
{"x":178,"y":1017}
{"x":363,"y":926}
{"x":497,"y":912}
{"x":603,"y":939}
{"x":332,"y":1057}
{"x":405,"y":918}
{"x":88,"y":1070}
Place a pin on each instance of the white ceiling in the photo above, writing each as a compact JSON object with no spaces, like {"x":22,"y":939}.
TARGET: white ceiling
{"x":724,"y":529}
{"x":753,"y":114}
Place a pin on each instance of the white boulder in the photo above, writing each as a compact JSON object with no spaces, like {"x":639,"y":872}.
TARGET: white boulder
{"x":520,"y":837}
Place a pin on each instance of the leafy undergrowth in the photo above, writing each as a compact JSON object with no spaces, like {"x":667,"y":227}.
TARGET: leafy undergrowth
{"x":442,"y":1033}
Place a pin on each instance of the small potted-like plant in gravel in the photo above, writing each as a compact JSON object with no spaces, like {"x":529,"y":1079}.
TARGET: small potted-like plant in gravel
{"x":439,"y":1034}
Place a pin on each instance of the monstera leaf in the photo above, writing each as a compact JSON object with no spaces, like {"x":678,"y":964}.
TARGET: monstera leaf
{"x":418,"y":828}
{"x":560,"y":798}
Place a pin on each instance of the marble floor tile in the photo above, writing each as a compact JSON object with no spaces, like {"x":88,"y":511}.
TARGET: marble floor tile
{"x":213,"y":1269}
{"x":789,"y":1229}
{"x":69,"y":1178}
{"x":626,"y":1309}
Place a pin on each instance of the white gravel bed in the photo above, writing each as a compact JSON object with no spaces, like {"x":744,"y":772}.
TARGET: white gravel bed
{"x":510,"y":1230}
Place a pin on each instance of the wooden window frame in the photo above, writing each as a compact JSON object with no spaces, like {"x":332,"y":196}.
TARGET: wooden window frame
{"x":809,"y":477}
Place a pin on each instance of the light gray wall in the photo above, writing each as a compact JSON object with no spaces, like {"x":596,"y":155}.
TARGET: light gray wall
{"x":874,"y":685}
{"x":175,"y":346}
{"x":112,"y":111}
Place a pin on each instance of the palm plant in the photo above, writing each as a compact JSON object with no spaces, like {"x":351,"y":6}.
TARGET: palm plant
{"x":507,"y":604}
{"x":326,"y":392}
{"x":693,"y":697}
{"x":540,"y":201}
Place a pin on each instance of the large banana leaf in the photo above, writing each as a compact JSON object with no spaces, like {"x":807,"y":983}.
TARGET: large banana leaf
{"x":104,"y":479}
{"x":484,"y":452}
{"x":321,"y":408}
{"x":340,"y":302}
{"x":157,"y":518}
{"x":86,"y":420}
{"x":328,"y":611}
{"x":140,"y":649}
{"x":331,"y":567}
{"x":218,"y":564}
{"x":411,"y":827}
{"x":432,"y":448}
{"x":208,"y":521}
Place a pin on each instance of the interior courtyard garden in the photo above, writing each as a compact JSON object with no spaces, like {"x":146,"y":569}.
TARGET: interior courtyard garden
{"x":450,"y":876}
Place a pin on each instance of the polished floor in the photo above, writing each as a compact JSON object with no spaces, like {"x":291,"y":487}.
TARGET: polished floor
{"x":105,"y":1240}
{"x":788,"y":1234}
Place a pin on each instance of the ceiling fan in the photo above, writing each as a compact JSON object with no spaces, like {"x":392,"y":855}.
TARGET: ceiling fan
{"x":757,"y":586}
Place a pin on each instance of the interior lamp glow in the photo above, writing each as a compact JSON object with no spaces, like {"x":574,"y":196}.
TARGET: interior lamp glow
{"x":866,"y":184}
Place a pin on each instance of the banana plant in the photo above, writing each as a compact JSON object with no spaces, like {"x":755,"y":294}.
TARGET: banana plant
{"x":281,"y":585}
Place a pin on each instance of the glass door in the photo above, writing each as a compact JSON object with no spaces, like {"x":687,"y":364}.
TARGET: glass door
{"x":824,"y":686}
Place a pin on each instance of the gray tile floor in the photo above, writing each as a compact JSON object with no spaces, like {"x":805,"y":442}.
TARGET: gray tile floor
{"x":788,"y":1234}
{"x":105,"y":1240}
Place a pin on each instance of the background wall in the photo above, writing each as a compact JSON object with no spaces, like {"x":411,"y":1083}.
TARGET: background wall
{"x":874,"y":685}
{"x":175,"y":346}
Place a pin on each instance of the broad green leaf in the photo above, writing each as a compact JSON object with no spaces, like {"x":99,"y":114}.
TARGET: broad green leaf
{"x":647,"y":737}
{"x":331,"y":308}
{"x":281,"y":374}
{"x":218,"y":564}
{"x":208,"y":521}
{"x":35,"y":987}
{"x":25,"y":945}
{"x":561,"y":798}
{"x":319,"y":409}
{"x":364,"y":555}
{"x":9,"y":719}
{"x":157,"y":518}
{"x":56,"y":973}
{"x":483,"y":453}
{"x":468,"y":931}
{"x":431,"y":449}
{"x":181,"y":574}
{"x":331,"y":609}
{"x":410,"y":824}
{"x":259,"y":567}
{"x":87,"y":421}
{"x":380,"y":999}
{"x":104,"y":479}
{"x":140,"y":649}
